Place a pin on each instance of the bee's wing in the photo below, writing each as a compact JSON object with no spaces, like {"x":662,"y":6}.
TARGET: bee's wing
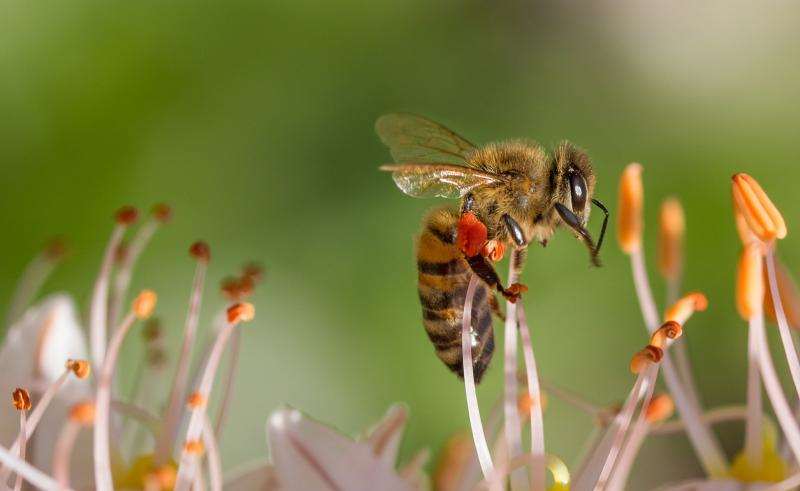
{"x":442,"y":180}
{"x":412,"y":138}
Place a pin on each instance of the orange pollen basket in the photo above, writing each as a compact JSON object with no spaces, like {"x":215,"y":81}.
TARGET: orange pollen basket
{"x":472,"y":234}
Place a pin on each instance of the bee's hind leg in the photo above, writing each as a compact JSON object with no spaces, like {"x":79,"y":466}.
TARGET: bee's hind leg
{"x":485,"y":271}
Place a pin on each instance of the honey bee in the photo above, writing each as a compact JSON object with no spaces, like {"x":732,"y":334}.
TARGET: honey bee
{"x":511,"y":193}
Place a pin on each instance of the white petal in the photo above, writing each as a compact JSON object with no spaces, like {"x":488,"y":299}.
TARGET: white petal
{"x":309,"y":456}
{"x":258,"y":477}
{"x":385,"y":437}
{"x":33,"y":353}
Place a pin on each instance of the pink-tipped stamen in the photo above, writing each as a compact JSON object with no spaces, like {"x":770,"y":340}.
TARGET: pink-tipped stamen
{"x":187,"y":468}
{"x":783,"y":326}
{"x":214,"y":460}
{"x":98,"y":308}
{"x":538,"y":469}
{"x":27,"y":471}
{"x":230,"y":382}
{"x":122,"y":279}
{"x":63,"y":451}
{"x":627,"y":455}
{"x":35,"y":417}
{"x":102,"y":456}
{"x":166,"y":442}
{"x":473,"y":409}
{"x":703,"y":441}
{"x":31,"y":281}
{"x":772,"y":385}
{"x":513,"y":429}
{"x":23,"y":443}
{"x":753,"y":442}
{"x":643,"y":389}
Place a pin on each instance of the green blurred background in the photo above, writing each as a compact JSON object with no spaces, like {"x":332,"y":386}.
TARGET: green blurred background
{"x":255,"y":121}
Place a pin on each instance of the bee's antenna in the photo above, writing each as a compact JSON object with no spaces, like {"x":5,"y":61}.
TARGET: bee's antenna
{"x":600,"y":205}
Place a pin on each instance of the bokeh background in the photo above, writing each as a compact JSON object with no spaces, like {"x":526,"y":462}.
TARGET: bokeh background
{"x":254,"y":119}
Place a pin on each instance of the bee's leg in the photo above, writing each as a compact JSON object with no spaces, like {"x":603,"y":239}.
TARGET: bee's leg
{"x":495,"y":306}
{"x":485,"y":271}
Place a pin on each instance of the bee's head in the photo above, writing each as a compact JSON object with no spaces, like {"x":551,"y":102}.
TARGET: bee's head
{"x":574,"y":180}
{"x":574,"y":187}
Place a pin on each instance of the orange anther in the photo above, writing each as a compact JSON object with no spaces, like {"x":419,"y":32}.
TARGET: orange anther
{"x":127,"y":215}
{"x":21,"y":399}
{"x":670,"y":238}
{"x":241,"y":312}
{"x":144,"y":304}
{"x":631,"y":200}
{"x":681,"y":310}
{"x":82,"y":413}
{"x":81,"y":368}
{"x":761,"y":215}
{"x":661,"y":408}
{"x":200,"y":251}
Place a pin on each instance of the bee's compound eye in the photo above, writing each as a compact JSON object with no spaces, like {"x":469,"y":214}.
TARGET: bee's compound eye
{"x":577,"y":186}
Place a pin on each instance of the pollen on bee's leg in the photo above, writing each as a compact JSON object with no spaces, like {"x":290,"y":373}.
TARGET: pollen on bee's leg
{"x":471,"y":235}
{"x":761,"y":215}
{"x":494,"y":250}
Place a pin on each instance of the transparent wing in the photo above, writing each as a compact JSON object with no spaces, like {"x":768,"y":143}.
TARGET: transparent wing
{"x":442,"y":180}
{"x":412,"y":138}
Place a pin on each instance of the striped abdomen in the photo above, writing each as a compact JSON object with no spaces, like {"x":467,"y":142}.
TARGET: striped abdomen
{"x":443,"y":279}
